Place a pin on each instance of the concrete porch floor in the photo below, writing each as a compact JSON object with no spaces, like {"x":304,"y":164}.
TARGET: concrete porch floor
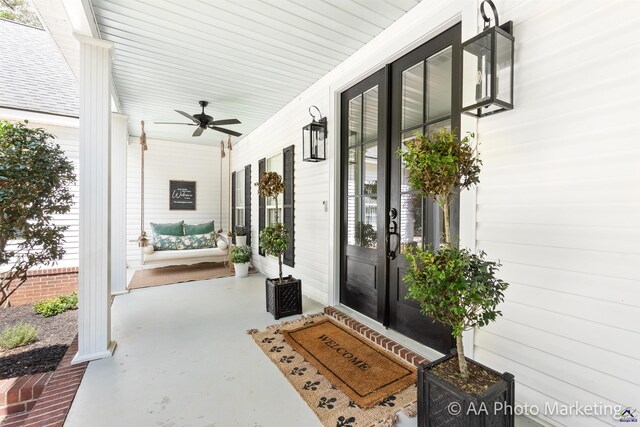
{"x":184,"y":359}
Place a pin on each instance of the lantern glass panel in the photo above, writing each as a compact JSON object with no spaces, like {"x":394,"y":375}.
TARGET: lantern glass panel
{"x":477,"y":72}
{"x":504,"y":66}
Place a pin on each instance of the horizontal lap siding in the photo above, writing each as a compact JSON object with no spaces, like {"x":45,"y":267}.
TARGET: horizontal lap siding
{"x":165,"y":161}
{"x":559,"y":204}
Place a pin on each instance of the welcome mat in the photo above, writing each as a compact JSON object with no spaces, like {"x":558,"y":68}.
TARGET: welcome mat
{"x":363,"y":372}
{"x":178,"y":274}
{"x":330,"y":392}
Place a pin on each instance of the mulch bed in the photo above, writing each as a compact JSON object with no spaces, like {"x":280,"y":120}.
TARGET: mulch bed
{"x":55,"y":334}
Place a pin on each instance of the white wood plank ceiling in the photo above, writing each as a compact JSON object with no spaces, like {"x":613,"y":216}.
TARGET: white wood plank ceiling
{"x":248,"y":58}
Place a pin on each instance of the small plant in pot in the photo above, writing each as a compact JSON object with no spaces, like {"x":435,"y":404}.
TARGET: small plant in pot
{"x":284,"y":295}
{"x":241,"y":235}
{"x":456,"y":287}
{"x":240,"y":257}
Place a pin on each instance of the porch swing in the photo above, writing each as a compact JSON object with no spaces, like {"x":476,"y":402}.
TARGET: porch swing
{"x":152,"y":258}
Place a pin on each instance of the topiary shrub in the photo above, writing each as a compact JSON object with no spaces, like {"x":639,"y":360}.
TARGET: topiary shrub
{"x":274,"y":240}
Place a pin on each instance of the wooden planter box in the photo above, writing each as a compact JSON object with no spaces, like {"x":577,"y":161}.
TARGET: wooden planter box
{"x":285,"y":299}
{"x":440,"y":403}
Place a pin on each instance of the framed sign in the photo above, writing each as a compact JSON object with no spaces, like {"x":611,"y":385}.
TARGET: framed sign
{"x":182,"y":195}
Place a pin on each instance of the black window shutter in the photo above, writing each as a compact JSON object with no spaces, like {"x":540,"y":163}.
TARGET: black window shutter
{"x":233,"y":205}
{"x":247,"y":202}
{"x":288,"y":208}
{"x":261,"y":206}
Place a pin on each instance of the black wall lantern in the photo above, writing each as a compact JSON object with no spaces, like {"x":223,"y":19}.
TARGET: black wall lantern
{"x":487,"y":67}
{"x":314,"y":136}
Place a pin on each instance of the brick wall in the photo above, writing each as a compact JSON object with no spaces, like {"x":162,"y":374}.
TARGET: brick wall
{"x":46,"y":283}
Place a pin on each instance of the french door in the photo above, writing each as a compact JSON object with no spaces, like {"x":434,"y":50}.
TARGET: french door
{"x":381,"y":215}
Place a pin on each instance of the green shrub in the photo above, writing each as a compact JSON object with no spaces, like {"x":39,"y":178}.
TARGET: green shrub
{"x":240,"y":254}
{"x":57,"y":305}
{"x":18,"y":335}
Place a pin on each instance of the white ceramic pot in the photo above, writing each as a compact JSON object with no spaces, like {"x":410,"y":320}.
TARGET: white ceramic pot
{"x":242,"y":270}
{"x":241,"y":240}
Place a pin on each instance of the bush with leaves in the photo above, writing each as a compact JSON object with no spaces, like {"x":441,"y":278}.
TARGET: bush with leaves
{"x":452,"y":285}
{"x":18,"y":335}
{"x":54,"y":306}
{"x":274,"y":239}
{"x":35,"y":176}
{"x":240,"y":254}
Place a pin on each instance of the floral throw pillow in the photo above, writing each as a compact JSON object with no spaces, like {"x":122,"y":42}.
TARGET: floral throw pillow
{"x":195,"y":241}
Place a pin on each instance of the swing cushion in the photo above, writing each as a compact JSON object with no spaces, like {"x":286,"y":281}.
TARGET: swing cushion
{"x":174,"y":229}
{"x":194,"y":241}
{"x":207,"y":227}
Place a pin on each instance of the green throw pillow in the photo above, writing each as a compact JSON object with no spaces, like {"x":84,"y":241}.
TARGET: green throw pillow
{"x":194,"y":241}
{"x":205,"y":228}
{"x":174,"y":229}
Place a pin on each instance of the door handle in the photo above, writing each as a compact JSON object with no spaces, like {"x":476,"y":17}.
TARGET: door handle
{"x":391,"y":232}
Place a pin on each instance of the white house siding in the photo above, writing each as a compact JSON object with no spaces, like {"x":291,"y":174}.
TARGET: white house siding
{"x":165,"y":161}
{"x":67,"y":137}
{"x":558,"y":202}
{"x":559,"y":205}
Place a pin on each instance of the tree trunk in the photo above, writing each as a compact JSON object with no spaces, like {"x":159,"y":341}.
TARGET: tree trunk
{"x":280,"y":267}
{"x":462,"y":362}
{"x":447,"y":225}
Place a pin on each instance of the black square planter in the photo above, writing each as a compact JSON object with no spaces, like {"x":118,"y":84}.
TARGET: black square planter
{"x":440,"y":403}
{"x":284,"y":299}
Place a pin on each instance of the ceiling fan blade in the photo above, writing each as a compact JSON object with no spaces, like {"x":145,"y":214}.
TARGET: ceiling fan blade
{"x":198,"y":131}
{"x":227,"y":131}
{"x":172,"y":123}
{"x":188,"y":116}
{"x":225,"y":122}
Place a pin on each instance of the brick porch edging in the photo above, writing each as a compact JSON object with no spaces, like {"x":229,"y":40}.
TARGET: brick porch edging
{"x":384,"y":342}
{"x":20,"y":394}
{"x":54,"y":403}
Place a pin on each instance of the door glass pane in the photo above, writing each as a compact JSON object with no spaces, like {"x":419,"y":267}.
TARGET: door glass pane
{"x":354,"y":171}
{"x":355,"y":120}
{"x":366,"y":233}
{"x":404,"y":172}
{"x":371,"y":169}
{"x":438,"y":126}
{"x":353,"y":219}
{"x":439,"y":84}
{"x":410,"y":220}
{"x":412,"y":96}
{"x":371,"y":114}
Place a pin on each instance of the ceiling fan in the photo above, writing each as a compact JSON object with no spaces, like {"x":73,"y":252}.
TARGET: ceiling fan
{"x":204,"y":121}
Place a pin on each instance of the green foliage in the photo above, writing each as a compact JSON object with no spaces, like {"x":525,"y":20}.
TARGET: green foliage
{"x":240,"y":230}
{"x":19,"y":11}
{"x":35,"y":177}
{"x":18,"y":335}
{"x":365,"y":235}
{"x":440,"y":166}
{"x":54,"y":306}
{"x":240,"y":254}
{"x":455,"y":286}
{"x":274,"y":240}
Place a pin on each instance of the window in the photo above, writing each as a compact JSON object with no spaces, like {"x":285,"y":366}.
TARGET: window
{"x":239,"y":218}
{"x":274,"y":164}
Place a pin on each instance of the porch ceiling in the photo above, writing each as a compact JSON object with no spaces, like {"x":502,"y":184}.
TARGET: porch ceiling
{"x":248,"y":58}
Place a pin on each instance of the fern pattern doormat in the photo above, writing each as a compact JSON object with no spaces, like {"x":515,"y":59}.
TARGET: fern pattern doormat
{"x":347,"y":380}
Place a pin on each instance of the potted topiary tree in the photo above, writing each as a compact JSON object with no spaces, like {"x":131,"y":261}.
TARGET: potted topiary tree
{"x":240,"y":257}
{"x":284,"y":295}
{"x":241,"y":235}
{"x":456,"y":287}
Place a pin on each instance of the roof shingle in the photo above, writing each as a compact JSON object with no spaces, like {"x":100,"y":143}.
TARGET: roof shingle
{"x":33,"y":74}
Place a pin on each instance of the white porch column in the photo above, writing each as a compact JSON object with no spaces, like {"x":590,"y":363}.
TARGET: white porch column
{"x":119,"y":142}
{"x":94,"y":287}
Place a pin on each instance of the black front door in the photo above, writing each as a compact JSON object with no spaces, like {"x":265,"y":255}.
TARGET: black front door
{"x":381,"y":215}
{"x":364,"y":196}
